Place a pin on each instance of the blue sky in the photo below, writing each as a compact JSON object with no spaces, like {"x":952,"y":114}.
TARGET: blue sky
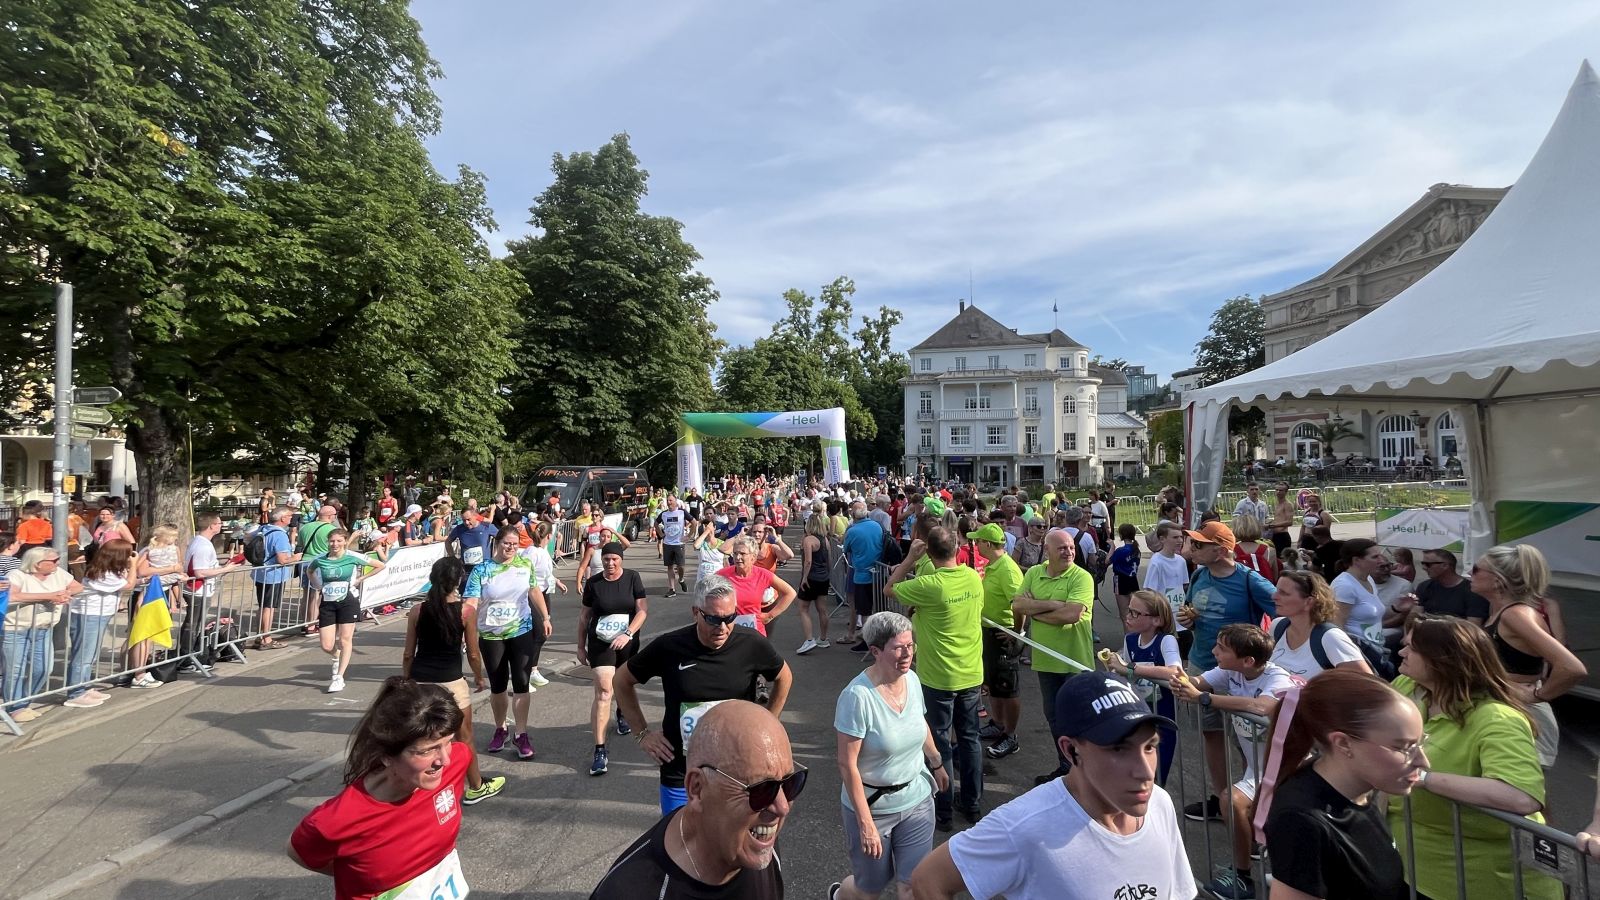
{"x":1136,"y":163}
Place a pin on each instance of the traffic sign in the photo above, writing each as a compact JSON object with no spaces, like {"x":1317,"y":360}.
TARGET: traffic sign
{"x":95,"y":396}
{"x":90,"y":415}
{"x":79,"y":459}
{"x":83,"y":433}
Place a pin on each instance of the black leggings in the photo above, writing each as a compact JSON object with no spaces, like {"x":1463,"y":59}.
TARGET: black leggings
{"x":510,"y":661}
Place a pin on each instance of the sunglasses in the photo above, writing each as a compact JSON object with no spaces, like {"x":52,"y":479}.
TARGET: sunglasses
{"x":717,"y":621}
{"x":763,"y":794}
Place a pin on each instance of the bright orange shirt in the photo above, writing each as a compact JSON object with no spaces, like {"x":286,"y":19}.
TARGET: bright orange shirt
{"x":34,"y":531}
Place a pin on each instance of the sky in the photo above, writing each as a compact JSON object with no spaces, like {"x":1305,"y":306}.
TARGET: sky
{"x":1134,"y":164}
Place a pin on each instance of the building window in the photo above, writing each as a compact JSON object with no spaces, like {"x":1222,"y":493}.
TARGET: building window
{"x":1307,"y":442}
{"x":976,"y":402}
{"x":961,"y":435}
{"x":1069,"y":406}
{"x":1397,"y":440}
{"x":925,"y":401}
{"x":925,"y":364}
{"x":1030,"y":401}
{"x":1111,"y":442}
{"x":994,"y":360}
{"x":1063,"y":362}
{"x":1088,"y":405}
{"x":997,"y":436}
{"x":1030,"y":360}
{"x":1069,"y":441}
{"x":961,"y":364}
{"x":925,"y":440}
{"x":1444,"y":430}
{"x":1030,"y":439}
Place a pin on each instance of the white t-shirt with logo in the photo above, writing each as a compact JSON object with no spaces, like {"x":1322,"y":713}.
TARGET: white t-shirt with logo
{"x":1274,"y":680}
{"x":1302,"y":661}
{"x":673,"y":522}
{"x":1043,"y":846}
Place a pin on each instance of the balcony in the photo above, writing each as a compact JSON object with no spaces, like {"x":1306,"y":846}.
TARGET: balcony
{"x":924,"y":415}
{"x":1004,"y":413}
{"x":1030,"y":412}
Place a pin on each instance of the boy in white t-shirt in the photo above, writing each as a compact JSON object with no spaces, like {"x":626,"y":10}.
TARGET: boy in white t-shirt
{"x":1168,"y":575}
{"x":1245,"y":680}
{"x":1105,"y":829}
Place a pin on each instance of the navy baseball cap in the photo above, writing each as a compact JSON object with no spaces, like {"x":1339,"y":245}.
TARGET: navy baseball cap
{"x":1101,"y":709}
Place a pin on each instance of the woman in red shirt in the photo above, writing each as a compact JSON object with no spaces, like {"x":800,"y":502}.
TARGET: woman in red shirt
{"x":392,"y":830}
{"x":761,"y":597}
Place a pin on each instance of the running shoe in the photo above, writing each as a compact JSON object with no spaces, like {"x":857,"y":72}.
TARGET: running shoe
{"x":536,"y":678}
{"x":1230,"y":885}
{"x":821,"y":644}
{"x":98,"y":695}
{"x":1207,"y":810}
{"x":82,"y":701}
{"x":622,"y":724}
{"x":498,"y":742}
{"x":194,"y":667}
{"x":336,"y":685}
{"x":833,"y":890}
{"x":489,"y":788}
{"x":859,"y":647}
{"x":806,"y":647}
{"x":1004,"y":748}
{"x":146,"y":680}
{"x":601,"y":757}
{"x":671,"y":593}
{"x":524,"y":746}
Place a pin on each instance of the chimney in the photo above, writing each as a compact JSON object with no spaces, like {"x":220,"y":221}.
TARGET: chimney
{"x":962,"y":304}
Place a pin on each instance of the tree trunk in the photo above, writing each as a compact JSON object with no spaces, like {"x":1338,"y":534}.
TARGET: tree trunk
{"x":324,"y":471}
{"x":358,"y":469}
{"x":164,"y":488}
{"x":499,"y":475}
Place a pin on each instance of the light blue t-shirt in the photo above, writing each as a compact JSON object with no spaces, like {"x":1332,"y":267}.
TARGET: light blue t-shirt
{"x":863,"y":543}
{"x":274,"y":540}
{"x":891,"y":742}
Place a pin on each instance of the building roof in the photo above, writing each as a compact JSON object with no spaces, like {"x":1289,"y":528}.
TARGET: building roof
{"x":1056,"y":338}
{"x":972,"y":327}
{"x":1194,"y":371}
{"x":1118,"y":420}
{"x":1107,"y":376}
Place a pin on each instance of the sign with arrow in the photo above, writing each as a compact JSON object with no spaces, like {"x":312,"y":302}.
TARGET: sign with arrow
{"x":95,"y":396}
{"x":83,"y":433}
{"x":90,"y":415}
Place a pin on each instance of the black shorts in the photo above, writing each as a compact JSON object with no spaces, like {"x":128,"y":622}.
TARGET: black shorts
{"x":672,"y":555}
{"x":1126,"y":584}
{"x":813,"y":590}
{"x":862,"y":595}
{"x":343,"y":612}
{"x":1281,"y":541}
{"x":601,"y":654}
{"x":1001,"y":653}
{"x":269,"y":596}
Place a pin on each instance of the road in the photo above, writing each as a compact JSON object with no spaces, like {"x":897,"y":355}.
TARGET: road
{"x":127,"y":781}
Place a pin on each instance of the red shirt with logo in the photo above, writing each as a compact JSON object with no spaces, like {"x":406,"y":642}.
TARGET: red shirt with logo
{"x":374,"y":846}
{"x":749,"y":594}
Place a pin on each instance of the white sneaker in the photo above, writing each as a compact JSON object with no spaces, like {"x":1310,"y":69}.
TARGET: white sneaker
{"x":823,"y":643}
{"x":146,"y":680}
{"x":336,"y":685}
{"x":537,"y":678}
{"x":807,"y":647}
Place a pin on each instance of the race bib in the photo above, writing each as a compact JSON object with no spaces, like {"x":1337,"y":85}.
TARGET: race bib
{"x":610,"y":626}
{"x":442,"y":882}
{"x":689,"y":715}
{"x":500,"y":614}
{"x":1175,"y":599}
{"x":748,"y":620}
{"x":335,"y":591}
{"x":472,"y":555}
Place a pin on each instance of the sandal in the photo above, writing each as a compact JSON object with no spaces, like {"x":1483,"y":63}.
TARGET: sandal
{"x":267,"y":644}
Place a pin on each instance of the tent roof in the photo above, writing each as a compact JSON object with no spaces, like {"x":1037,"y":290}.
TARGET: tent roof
{"x":1515,"y":312}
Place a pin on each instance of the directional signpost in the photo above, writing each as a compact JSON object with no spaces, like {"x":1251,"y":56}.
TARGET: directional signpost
{"x":90,"y":415}
{"x":95,"y":396}
{"x":84,"y":433}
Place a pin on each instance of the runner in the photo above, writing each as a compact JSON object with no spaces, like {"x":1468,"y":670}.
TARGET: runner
{"x":392,"y":831}
{"x":671,"y":527}
{"x":708,"y":546}
{"x":436,"y":630}
{"x":762,"y":596}
{"x":816,"y":581}
{"x":613,"y":614}
{"x":513,"y":623}
{"x":471,"y":539}
{"x":595,"y":537}
{"x":700,"y":665}
{"x":337,"y":571}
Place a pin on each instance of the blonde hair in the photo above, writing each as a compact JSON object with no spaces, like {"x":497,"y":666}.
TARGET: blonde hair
{"x":1319,"y":597}
{"x":164,"y":535}
{"x":1246,"y":528}
{"x":1158,"y":607}
{"x":1521,"y":570}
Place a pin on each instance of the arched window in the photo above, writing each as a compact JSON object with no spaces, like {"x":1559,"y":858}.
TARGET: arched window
{"x":1397,"y":440}
{"x":1444,"y":438}
{"x":1088,"y":404}
{"x":1307,"y":442}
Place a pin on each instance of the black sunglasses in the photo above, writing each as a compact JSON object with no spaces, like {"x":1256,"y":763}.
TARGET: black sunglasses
{"x":717,"y":621}
{"x":763,"y":794}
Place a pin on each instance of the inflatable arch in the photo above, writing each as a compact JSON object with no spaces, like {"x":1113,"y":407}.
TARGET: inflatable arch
{"x":827,"y":424}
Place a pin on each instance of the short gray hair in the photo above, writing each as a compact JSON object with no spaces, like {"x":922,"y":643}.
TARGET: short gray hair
{"x":712,"y":587}
{"x":881,"y":627}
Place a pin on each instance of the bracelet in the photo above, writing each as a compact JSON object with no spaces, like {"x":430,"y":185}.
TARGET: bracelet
{"x":638,"y":736}
{"x":933,"y":766}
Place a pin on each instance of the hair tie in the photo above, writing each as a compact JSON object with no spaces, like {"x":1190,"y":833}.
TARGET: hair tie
{"x":1269,"y":778}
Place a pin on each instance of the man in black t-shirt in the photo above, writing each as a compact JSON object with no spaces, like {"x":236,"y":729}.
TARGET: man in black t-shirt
{"x":699,"y":665}
{"x":742,"y":781}
{"x":1444,"y":593}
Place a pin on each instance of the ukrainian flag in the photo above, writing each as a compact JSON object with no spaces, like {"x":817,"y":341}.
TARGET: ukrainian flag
{"x":152,"y":620}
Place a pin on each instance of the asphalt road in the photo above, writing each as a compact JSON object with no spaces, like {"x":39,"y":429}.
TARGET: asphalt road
{"x":84,"y":786}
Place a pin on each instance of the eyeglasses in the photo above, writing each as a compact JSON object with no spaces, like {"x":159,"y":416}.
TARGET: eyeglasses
{"x":763,"y":794}
{"x":717,"y":621}
{"x":1135,"y":614}
{"x":1410,"y":752}
{"x":56,"y":561}
{"x":1430,"y":563}
{"x":1038,"y":526}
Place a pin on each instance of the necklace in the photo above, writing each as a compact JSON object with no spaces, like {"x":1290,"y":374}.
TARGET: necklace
{"x":693,"y":864}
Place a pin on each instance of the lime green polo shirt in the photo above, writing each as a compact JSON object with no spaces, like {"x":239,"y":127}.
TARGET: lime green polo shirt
{"x":1495,"y":742}
{"x":1002,"y":578}
{"x":1075,"y":641}
{"x":924,"y":566}
{"x":948,"y":625}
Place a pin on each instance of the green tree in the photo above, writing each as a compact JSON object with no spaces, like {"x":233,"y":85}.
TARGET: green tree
{"x":1166,"y":430}
{"x":1115,"y":362}
{"x":1233,"y":346}
{"x":616,"y":342}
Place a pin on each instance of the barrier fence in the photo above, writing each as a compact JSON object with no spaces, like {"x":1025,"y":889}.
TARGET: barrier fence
{"x":1536,"y":855}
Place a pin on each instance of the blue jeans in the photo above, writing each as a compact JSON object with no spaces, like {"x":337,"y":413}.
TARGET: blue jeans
{"x":1049,"y":685}
{"x":959,"y":708}
{"x":84,"y":634}
{"x":29,"y":658}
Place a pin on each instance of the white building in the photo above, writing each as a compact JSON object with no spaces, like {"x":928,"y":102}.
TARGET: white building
{"x":985,"y":403}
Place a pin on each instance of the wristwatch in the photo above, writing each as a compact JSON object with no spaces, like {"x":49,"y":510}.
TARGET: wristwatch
{"x":627,"y":634}
{"x":1205,"y":698}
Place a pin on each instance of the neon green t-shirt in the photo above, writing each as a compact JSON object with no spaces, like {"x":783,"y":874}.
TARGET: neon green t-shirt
{"x":924,"y":566}
{"x":1496,"y":742}
{"x":1002,"y":579}
{"x":948,"y":626}
{"x":1048,"y":500}
{"x":1075,"y":641}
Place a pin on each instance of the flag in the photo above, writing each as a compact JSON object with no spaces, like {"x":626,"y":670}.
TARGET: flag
{"x":1055,"y":308}
{"x":152,"y":620}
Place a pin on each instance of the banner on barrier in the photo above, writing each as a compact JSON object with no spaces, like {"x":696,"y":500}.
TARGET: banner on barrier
{"x":1422,"y":529}
{"x":404,"y":575}
{"x":1568,"y":534}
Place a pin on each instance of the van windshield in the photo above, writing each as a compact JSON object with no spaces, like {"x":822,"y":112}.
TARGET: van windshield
{"x":540,"y":491}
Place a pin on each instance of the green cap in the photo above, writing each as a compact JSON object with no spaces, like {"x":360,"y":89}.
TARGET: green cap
{"x":933,"y":506}
{"x":991,"y":532}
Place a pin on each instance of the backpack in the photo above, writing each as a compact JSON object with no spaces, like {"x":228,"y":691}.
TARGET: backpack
{"x":255,"y":546}
{"x":1375,"y":654}
{"x":892,"y":554}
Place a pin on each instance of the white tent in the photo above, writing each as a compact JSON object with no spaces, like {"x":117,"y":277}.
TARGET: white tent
{"x":1506,"y":332}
